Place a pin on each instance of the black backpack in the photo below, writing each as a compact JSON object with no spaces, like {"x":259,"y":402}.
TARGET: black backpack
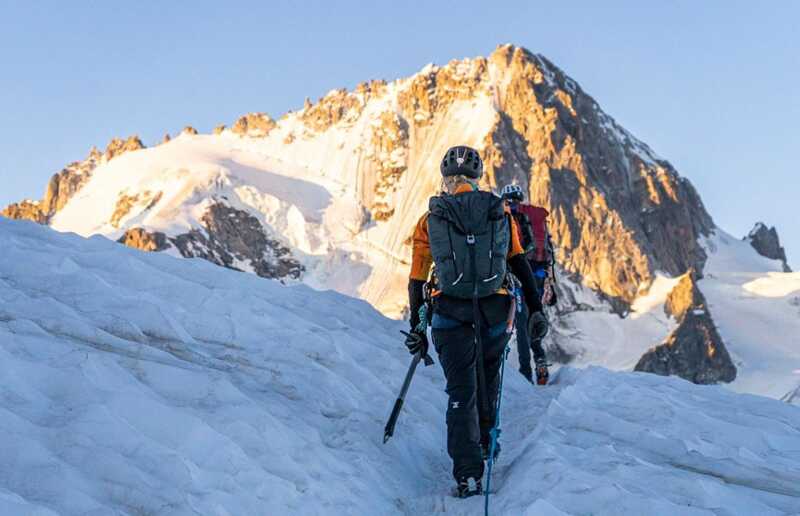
{"x":469,"y":238}
{"x":527,"y":239}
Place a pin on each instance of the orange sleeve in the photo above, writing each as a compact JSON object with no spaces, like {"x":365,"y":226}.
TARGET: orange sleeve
{"x":516,"y":246}
{"x":421,"y":260}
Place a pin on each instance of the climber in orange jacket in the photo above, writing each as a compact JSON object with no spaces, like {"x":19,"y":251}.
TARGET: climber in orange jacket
{"x":471,"y":240}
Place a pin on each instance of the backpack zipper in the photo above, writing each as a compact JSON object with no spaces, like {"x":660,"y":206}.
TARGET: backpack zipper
{"x":453,"y":250}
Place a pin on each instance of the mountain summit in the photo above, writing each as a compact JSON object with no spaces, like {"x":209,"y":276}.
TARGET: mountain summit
{"x":619,"y":212}
{"x":329,"y":195}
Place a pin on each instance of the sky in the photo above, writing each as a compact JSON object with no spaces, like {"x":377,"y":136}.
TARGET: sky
{"x":711,"y":86}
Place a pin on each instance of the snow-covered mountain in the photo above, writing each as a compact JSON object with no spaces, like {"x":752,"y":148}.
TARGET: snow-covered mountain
{"x":137,"y":383}
{"x":343,"y":181}
{"x":328,"y":196}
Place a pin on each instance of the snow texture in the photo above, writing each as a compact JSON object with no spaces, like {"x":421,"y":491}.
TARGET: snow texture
{"x":137,"y":383}
{"x":757,"y":311}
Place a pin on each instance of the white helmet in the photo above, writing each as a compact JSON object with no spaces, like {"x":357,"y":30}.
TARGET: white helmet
{"x":512,"y":192}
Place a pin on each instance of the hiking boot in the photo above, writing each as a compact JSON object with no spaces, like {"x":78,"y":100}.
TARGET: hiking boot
{"x":542,"y":373}
{"x":468,"y":486}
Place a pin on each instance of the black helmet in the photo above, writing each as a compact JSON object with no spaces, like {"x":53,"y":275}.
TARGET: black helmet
{"x":462,"y":160}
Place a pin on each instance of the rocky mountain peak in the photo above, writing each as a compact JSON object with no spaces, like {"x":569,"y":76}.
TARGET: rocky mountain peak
{"x":618,"y":211}
{"x":253,"y":125}
{"x":117,"y":147}
{"x":767,"y":243}
{"x":26,"y":210}
{"x":64,"y":184}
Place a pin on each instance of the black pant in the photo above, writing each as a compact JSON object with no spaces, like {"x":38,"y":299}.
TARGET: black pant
{"x":524,"y":344}
{"x":468,"y":423}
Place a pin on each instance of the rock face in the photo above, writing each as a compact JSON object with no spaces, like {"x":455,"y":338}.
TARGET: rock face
{"x":684,"y":297}
{"x":140,"y":238}
{"x":340,"y":106}
{"x":618,"y":211}
{"x":231,"y":238}
{"x":766,"y":242}
{"x":117,"y":147}
{"x":243,"y":237}
{"x":63,"y":185}
{"x":694,"y":350}
{"x":388,"y":150}
{"x":253,"y":125}
{"x":126,"y":203}
{"x":25,"y":210}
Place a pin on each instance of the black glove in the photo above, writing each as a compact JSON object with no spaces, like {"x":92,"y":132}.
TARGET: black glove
{"x":522,"y":270}
{"x":538,"y":326}
{"x":416,"y":342}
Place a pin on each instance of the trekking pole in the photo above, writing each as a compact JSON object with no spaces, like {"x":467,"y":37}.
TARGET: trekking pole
{"x":494,"y":434}
{"x":388,"y":430}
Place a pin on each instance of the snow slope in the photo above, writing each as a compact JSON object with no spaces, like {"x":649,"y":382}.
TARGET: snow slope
{"x":756,"y":307}
{"x":308,"y":194}
{"x":597,"y":336}
{"x":137,"y":383}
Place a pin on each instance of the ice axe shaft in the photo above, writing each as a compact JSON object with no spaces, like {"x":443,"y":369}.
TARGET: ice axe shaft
{"x":388,"y":431}
{"x":398,"y":405}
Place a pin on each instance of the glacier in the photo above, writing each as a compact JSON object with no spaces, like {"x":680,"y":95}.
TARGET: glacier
{"x":138,"y":383}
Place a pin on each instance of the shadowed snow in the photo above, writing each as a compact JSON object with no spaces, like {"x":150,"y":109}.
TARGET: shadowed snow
{"x":136,"y":383}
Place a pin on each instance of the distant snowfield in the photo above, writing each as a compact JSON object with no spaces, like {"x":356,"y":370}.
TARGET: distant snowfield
{"x":757,"y":311}
{"x":136,"y":383}
{"x":600,"y":337}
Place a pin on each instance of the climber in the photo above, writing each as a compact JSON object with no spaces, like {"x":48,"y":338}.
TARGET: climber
{"x":471,"y":240}
{"x":535,"y":240}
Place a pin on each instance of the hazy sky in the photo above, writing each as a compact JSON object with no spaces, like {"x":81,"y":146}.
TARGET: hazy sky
{"x":711,"y":86}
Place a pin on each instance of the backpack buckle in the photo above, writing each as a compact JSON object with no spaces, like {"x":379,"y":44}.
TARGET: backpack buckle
{"x":471,"y":239}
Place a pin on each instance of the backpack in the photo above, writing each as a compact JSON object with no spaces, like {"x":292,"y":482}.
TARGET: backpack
{"x":532,"y":222}
{"x":469,"y":238}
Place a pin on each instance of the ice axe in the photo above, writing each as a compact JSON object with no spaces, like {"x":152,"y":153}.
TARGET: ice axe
{"x":388,"y":431}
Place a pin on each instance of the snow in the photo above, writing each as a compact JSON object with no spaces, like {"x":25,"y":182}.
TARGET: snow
{"x":755,"y":309}
{"x":622,"y":443}
{"x":655,"y":297}
{"x":774,"y":285}
{"x":596,"y":336}
{"x":309,"y":194}
{"x":137,"y":383}
{"x":626,"y":139}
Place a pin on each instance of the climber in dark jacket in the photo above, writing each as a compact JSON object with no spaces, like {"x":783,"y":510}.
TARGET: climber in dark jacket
{"x":534,"y":237}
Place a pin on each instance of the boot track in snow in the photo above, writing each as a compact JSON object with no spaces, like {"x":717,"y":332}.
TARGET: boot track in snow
{"x":523,"y":405}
